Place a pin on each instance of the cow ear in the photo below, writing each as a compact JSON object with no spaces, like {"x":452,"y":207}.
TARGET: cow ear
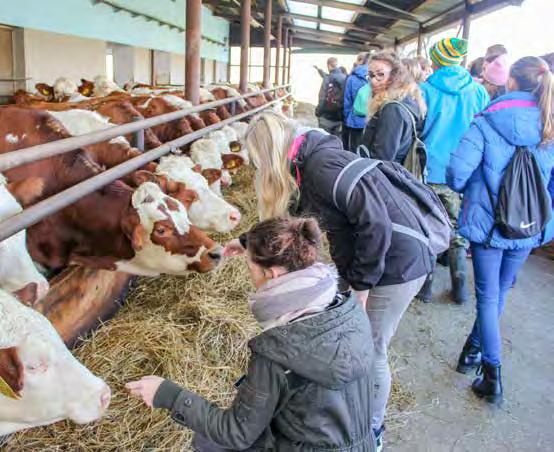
{"x":212,"y":175}
{"x":186,"y":196}
{"x":142,"y":176}
{"x":45,"y":90}
{"x":27,"y":191}
{"x":231,"y":161}
{"x":11,"y":373}
{"x":137,"y":237}
{"x":197,"y":168}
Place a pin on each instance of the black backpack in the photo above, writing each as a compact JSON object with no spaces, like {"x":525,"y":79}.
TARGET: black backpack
{"x":333,"y":103}
{"x":415,"y":196}
{"x":524,"y":207}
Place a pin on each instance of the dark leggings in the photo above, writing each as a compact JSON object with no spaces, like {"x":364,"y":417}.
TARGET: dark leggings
{"x":351,"y":138}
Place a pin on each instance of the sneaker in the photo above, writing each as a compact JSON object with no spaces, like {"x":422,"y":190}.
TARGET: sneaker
{"x":379,"y":434}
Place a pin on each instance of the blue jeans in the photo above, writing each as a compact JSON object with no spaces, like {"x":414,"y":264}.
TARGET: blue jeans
{"x":495,"y":271}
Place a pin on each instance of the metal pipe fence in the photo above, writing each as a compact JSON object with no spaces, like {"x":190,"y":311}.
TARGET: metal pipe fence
{"x":46,"y":207}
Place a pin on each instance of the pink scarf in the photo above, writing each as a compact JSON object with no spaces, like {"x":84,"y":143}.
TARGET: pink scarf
{"x":293,"y":153}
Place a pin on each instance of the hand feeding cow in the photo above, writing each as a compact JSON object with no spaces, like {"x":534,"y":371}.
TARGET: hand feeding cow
{"x":40,"y":380}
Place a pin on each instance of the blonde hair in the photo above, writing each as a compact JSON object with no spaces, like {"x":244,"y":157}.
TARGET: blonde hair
{"x":268,"y":139}
{"x":532,"y":74}
{"x":414,"y":68}
{"x":401,"y":85}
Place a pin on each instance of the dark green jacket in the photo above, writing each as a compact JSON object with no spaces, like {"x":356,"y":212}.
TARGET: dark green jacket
{"x":308,"y":388}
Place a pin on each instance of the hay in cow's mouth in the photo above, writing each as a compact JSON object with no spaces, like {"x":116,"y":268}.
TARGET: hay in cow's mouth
{"x":191,"y":329}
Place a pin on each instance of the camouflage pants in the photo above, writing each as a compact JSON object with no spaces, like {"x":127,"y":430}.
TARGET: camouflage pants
{"x":452,"y":203}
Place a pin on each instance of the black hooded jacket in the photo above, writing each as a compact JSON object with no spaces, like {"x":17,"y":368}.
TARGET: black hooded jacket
{"x":362,"y":244}
{"x":389,"y":134}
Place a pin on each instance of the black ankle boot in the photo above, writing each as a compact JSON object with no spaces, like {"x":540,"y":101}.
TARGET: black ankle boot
{"x":458,"y":274}
{"x":489,"y":384}
{"x":469,"y":359}
{"x":425,"y":294}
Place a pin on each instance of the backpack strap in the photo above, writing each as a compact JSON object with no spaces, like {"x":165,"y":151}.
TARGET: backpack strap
{"x":410,"y":114}
{"x":347,"y":179}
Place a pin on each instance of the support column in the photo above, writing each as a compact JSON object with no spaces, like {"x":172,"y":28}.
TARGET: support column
{"x":267,"y":44}
{"x":244,"y":43}
{"x":285,"y":44}
{"x":192,"y":50}
{"x":290,"y":58}
{"x":278,"y":49}
{"x":466,"y":25}
{"x":420,"y":40}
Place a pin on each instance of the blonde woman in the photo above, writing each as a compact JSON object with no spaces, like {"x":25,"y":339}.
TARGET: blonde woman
{"x":396,"y":104}
{"x":296,"y":169}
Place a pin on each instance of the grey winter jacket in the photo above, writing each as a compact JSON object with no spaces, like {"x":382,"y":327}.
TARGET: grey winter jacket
{"x":308,"y":388}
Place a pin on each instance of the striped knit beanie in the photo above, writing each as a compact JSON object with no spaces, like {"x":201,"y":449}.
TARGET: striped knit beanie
{"x":449,"y":51}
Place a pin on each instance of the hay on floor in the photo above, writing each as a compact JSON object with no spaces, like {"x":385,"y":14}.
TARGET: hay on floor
{"x":193,"y":330}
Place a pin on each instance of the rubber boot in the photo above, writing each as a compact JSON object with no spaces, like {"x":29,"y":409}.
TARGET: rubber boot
{"x":458,"y":274}
{"x":489,"y":385}
{"x":469,"y":359}
{"x":443,"y":260}
{"x":425,"y":294}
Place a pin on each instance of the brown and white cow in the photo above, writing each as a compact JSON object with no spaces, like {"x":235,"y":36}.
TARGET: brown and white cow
{"x":63,"y":90}
{"x":40,"y":380}
{"x":18,"y":274}
{"x":110,"y":228}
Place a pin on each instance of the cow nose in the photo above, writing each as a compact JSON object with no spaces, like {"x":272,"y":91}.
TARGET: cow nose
{"x":235,"y":217}
{"x":105,"y":397}
{"x":216,"y":253}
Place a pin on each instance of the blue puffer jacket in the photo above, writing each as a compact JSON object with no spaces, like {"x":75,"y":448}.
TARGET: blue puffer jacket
{"x":482,"y":157}
{"x":453,"y":99}
{"x":354,"y":82}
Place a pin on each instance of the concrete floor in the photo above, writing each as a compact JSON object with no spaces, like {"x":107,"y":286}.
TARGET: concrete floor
{"x":441,"y":414}
{"x":446,"y":416}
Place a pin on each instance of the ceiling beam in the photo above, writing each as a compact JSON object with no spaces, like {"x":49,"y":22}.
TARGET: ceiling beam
{"x":360,"y":9}
{"x":322,"y":40}
{"x":329,"y":34}
{"x":483,"y":7}
{"x":336,"y":23}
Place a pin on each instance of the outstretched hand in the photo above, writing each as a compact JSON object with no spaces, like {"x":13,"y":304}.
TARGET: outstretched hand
{"x":145,"y":388}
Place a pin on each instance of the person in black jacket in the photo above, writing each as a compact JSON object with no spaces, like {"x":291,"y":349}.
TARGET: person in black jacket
{"x":329,"y":107}
{"x":296,"y":171}
{"x":396,"y":103}
{"x":308,"y":384}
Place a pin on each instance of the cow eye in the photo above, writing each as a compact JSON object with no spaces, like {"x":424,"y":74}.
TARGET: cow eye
{"x":160,"y":230}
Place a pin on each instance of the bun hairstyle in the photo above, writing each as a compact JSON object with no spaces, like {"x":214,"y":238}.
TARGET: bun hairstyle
{"x":292,"y":243}
{"x":533,"y":75}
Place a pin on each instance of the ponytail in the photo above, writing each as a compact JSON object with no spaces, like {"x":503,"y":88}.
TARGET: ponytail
{"x":532,"y":74}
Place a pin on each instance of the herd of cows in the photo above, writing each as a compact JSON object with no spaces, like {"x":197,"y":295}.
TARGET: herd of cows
{"x":153,"y":221}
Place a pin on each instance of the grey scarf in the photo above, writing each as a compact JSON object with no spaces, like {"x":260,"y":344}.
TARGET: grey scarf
{"x":297,"y":294}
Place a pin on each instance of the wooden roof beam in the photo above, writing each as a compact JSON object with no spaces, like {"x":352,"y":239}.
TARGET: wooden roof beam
{"x":336,"y":23}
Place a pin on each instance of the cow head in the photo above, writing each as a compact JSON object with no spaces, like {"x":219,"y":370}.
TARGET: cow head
{"x":40,"y":380}
{"x":18,"y":273}
{"x":64,"y":88}
{"x":208,"y":211}
{"x":163,"y":239}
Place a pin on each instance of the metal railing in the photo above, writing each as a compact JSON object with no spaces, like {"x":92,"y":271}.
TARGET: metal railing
{"x":48,"y":206}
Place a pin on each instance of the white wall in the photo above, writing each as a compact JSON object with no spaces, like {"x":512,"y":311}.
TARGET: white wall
{"x":177,"y":69}
{"x":52,"y":55}
{"x":142,"y":65}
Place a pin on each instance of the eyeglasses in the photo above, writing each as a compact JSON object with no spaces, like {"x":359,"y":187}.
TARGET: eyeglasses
{"x":379,"y":75}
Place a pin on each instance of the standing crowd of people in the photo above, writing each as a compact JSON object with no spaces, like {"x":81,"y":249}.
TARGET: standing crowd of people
{"x":413,"y":163}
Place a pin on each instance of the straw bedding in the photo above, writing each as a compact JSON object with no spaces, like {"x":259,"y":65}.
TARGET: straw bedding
{"x":191,"y":329}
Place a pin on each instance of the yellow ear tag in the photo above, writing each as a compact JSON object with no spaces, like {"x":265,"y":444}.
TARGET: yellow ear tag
{"x":6,"y":390}
{"x":45,"y":92}
{"x":236,"y":147}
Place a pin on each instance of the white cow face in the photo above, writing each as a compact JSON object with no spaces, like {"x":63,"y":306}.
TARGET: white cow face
{"x":18,"y":273}
{"x":64,"y":87}
{"x":205,"y":152}
{"x":164,"y":239}
{"x":209,"y":211}
{"x":41,"y":381}
{"x":103,"y":86}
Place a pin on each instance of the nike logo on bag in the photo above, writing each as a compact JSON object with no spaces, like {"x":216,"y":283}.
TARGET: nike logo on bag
{"x":522,"y":225}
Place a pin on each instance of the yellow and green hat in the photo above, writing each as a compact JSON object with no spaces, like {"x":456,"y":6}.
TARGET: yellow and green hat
{"x":449,"y":51}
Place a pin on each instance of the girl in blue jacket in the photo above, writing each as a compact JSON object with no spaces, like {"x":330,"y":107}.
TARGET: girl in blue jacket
{"x":522,"y":117}
{"x":353,"y":126}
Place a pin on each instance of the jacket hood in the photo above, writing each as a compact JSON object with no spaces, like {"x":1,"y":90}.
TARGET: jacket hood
{"x":452,"y":80}
{"x":518,"y":125}
{"x":316,"y":141}
{"x":360,"y":71}
{"x":332,"y":349}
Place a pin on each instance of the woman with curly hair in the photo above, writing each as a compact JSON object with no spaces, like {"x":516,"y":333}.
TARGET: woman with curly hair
{"x":396,"y":105}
